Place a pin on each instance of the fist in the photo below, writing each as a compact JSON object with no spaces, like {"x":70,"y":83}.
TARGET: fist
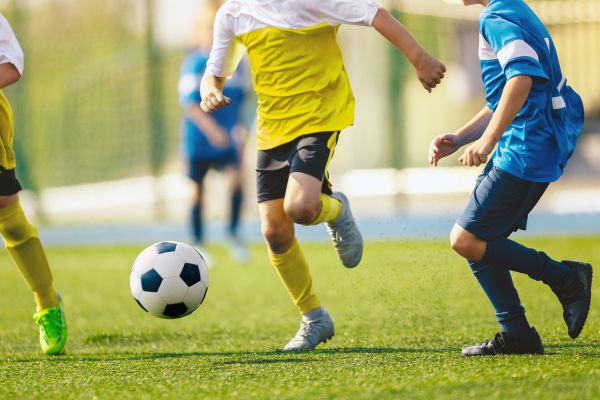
{"x":477,"y":153}
{"x":430,"y":71}
{"x":214,"y":101}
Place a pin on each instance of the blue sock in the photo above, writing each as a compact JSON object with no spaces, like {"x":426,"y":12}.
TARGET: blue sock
{"x":237,"y":198}
{"x":197,"y":223}
{"x":505,"y":253}
{"x":500,"y":290}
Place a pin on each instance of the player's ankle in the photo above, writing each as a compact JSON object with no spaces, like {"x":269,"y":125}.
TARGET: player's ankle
{"x":45,"y":298}
{"x":314,"y":315}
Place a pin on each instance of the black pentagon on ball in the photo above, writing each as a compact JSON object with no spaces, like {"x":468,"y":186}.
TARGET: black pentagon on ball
{"x":175,"y":310}
{"x":151,"y":281}
{"x":190,"y":274}
{"x":165,"y":247}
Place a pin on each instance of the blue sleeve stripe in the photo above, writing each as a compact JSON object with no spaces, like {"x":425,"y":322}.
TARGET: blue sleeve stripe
{"x":514,"y":49}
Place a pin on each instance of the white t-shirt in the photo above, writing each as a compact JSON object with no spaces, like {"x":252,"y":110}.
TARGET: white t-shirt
{"x":237,"y":17}
{"x":10,"y":50}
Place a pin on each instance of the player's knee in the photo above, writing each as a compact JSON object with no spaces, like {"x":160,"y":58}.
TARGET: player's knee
{"x":460,"y":242}
{"x":278,"y":237}
{"x":302,"y":212}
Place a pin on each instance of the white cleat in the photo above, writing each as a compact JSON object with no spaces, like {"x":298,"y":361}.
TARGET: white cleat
{"x":311,"y":334}
{"x":346,"y":237}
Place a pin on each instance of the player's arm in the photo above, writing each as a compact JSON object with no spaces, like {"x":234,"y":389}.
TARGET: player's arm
{"x":513,"y":98}
{"x":225,"y":56}
{"x":9,"y":74}
{"x":430,"y":71}
{"x":444,"y":145}
{"x":207,"y":124}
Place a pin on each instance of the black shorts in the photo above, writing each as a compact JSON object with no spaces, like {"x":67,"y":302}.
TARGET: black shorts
{"x":309,"y":154}
{"x":197,"y":169}
{"x":499,"y":204}
{"x":9,"y":184}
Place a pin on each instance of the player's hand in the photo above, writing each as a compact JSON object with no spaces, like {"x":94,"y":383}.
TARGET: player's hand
{"x":430,"y":71}
{"x":218,"y":138}
{"x":214,"y":101}
{"x":477,"y":153}
{"x":442,"y":146}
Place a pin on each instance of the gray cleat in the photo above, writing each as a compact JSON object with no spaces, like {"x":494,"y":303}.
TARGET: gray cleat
{"x":347,"y":240}
{"x":311,"y":334}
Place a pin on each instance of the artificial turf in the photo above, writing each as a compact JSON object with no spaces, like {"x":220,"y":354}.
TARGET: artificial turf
{"x":401,"y":318}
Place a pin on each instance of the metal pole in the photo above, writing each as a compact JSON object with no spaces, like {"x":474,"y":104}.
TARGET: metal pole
{"x":156,"y":118}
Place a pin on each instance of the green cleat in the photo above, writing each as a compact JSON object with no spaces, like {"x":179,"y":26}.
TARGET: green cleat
{"x":53,"y":329}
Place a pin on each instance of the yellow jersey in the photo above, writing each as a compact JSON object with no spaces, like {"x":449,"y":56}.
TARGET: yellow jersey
{"x":10,"y":52}
{"x":297,"y":66}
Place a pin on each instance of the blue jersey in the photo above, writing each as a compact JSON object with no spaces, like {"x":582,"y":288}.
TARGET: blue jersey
{"x":538,"y":143}
{"x":195,"y":145}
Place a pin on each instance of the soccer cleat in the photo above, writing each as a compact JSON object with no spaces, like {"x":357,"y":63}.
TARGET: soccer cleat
{"x":311,"y":334}
{"x":507,"y":343}
{"x":575,"y":295}
{"x":53,"y":328}
{"x":347,"y":240}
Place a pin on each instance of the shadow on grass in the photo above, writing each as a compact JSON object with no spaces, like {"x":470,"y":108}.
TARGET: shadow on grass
{"x":242,"y":357}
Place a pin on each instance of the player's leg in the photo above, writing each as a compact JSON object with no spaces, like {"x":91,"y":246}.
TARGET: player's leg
{"x":284,"y":251}
{"x":310,"y":201}
{"x":499,"y":205}
{"x":25,"y":248}
{"x":232,"y":166}
{"x":197,"y":172}
{"x":488,"y":214}
{"x":570,"y":280}
{"x":288,"y":259}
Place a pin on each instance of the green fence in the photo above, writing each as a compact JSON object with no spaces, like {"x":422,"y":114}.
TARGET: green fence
{"x":98,"y":97}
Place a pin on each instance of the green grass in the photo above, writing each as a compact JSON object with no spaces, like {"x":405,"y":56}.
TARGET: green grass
{"x":401,"y":319}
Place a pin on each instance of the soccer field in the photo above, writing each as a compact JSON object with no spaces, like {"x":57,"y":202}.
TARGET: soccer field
{"x":401,"y":318}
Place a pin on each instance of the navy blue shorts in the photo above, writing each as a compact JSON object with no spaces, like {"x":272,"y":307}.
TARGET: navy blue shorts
{"x":197,"y":169}
{"x":499,"y":204}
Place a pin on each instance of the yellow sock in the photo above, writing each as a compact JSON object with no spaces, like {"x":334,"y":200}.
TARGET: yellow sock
{"x":24,"y":246}
{"x":293,"y":271}
{"x":330,"y":209}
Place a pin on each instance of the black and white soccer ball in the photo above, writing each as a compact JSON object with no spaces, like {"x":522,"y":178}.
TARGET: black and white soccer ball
{"x":169,"y":279}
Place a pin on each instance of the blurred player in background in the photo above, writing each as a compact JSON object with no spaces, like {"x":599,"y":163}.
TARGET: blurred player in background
{"x":534,"y":118}
{"x":304,"y":101}
{"x":20,"y":237}
{"x":213,"y":141}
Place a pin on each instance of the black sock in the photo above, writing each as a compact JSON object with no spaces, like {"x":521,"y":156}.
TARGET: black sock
{"x":505,"y":253}
{"x":197,"y":223}
{"x":237,"y":198}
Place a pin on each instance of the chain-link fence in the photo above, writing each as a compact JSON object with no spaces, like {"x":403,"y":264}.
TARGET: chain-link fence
{"x":98,"y":99}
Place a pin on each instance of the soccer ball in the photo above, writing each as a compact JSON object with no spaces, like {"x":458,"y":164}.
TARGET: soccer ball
{"x":169,"y":279}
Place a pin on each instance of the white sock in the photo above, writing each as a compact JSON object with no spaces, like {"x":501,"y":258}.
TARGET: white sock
{"x":314,"y":315}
